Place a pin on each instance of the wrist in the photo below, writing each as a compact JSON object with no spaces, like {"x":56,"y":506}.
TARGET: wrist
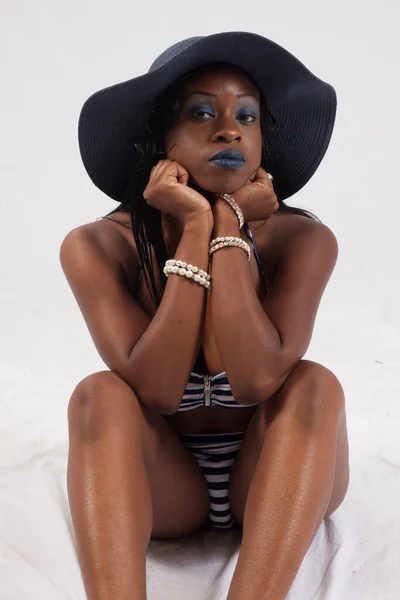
{"x":203,"y":222}
{"x":223,"y":210}
{"x":225,"y":221}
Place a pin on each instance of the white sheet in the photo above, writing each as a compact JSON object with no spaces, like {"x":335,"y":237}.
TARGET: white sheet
{"x":355,"y":555}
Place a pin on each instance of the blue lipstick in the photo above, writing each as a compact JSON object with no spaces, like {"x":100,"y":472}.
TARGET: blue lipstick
{"x":228,"y":164}
{"x":228,"y":159}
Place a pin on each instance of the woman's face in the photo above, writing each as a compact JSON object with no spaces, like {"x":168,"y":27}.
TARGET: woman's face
{"x":220,"y":110}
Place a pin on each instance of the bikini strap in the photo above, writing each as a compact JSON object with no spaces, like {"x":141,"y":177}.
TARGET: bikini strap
{"x":248,"y":230}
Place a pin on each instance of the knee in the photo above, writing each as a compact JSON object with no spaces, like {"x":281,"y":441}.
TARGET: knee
{"x":312,"y":391}
{"x":317,"y":375}
{"x":93,"y":402}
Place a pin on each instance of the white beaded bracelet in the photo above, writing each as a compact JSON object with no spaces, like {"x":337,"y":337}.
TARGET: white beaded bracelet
{"x":179,"y":267}
{"x":222,"y":242}
{"x":235,"y":207}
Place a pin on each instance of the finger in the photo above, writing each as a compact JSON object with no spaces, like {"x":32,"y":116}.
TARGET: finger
{"x":253,"y":177}
{"x":262,"y":173}
{"x":174,"y":169}
{"x":156,"y":166}
{"x":182,"y":174}
{"x":264,"y":176}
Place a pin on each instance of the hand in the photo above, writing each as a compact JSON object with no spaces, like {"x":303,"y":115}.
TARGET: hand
{"x":257,"y":198}
{"x":167,"y":191}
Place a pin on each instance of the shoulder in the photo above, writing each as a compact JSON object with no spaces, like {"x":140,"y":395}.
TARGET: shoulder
{"x":96,"y":235}
{"x":288,"y":232}
{"x":307,"y":253}
{"x":312,"y":237}
{"x":289,"y":238}
{"x":105,"y":238}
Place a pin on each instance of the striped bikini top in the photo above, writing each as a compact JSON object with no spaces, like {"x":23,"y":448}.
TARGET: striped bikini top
{"x":209,"y":390}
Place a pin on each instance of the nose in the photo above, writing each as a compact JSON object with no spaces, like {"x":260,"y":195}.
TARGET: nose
{"x":226,"y":129}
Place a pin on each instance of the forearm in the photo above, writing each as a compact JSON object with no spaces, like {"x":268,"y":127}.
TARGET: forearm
{"x":247,"y":341}
{"x":162,"y":359}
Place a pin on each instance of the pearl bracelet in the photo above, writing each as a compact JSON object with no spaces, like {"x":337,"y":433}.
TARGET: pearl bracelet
{"x":179,"y":267}
{"x":221,"y":242}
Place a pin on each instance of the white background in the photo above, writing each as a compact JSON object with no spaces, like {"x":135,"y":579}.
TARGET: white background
{"x":54,"y":54}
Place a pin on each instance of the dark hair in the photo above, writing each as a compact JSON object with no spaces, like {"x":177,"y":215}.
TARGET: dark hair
{"x":162,"y":112}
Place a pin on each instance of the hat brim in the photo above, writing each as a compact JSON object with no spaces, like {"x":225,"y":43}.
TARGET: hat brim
{"x":303,"y":105}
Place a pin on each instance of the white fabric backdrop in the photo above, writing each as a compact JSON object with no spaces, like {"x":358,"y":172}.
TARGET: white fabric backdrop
{"x":54,"y":55}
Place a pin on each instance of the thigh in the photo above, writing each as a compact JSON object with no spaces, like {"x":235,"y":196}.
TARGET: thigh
{"x":178,"y":488}
{"x":315,"y":396}
{"x":342,"y":470}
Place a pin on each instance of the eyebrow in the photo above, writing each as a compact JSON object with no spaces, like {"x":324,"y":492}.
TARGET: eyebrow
{"x":215,"y":95}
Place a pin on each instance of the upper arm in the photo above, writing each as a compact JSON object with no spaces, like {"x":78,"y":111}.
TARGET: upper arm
{"x":301,"y":276}
{"x":115,"y":320}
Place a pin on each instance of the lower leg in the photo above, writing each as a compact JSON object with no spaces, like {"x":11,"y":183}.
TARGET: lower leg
{"x":287,"y":500}
{"x":110,"y":500}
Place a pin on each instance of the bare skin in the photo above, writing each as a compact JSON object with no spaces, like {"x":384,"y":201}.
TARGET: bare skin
{"x":127,"y":463}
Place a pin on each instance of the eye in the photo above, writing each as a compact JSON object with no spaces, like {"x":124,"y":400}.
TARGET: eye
{"x":198,"y":115}
{"x":195,"y":113}
{"x":243,"y":115}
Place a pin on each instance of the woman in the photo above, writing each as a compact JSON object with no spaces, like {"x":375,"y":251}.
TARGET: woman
{"x":207,"y":416}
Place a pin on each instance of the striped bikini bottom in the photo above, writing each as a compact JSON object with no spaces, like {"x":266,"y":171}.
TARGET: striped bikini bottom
{"x":215,"y":454}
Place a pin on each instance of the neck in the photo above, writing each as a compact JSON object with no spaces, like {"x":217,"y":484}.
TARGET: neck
{"x":209,"y":196}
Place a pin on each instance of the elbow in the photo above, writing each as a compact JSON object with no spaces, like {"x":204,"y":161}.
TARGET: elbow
{"x":145,"y":396}
{"x":167,"y":410}
{"x":253,"y":392}
{"x":248,"y":396}
{"x":265,"y":386}
{"x":270,"y":388}
{"x":272,"y":385}
{"x":152,"y":392}
{"x":156,"y":403}
{"x":260,"y":394}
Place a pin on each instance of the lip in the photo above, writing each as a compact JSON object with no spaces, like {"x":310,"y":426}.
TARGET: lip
{"x":231,"y":155}
{"x":228,"y":163}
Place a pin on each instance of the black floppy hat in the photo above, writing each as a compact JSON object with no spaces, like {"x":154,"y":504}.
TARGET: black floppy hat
{"x":303,"y":105}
